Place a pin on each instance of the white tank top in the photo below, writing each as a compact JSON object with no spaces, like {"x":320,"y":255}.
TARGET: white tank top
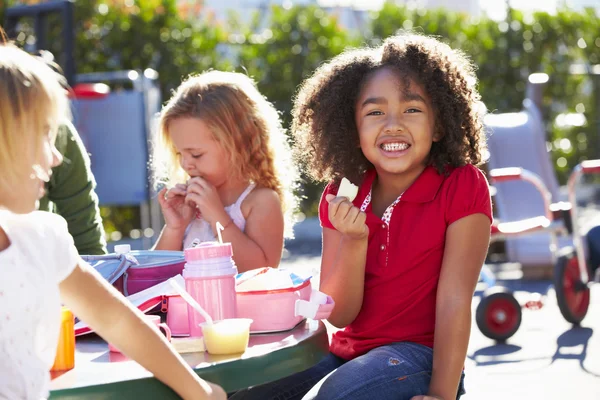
{"x":201,"y":230}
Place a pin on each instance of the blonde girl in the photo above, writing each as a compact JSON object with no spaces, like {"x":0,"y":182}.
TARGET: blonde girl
{"x":39,"y":264}
{"x":223,"y":153}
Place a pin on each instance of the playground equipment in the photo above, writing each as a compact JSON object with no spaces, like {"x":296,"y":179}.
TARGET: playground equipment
{"x":572,"y":269}
{"x":536,"y":224}
{"x":115,"y":125}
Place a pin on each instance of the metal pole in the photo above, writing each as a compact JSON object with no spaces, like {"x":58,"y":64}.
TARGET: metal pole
{"x":69,"y":42}
{"x":595,"y":114}
{"x":40,"y":26}
{"x":535,"y":89}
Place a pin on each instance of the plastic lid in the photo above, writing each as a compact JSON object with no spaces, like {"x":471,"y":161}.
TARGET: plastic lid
{"x":229,"y":272}
{"x":208,"y":250}
{"x":122,"y":248}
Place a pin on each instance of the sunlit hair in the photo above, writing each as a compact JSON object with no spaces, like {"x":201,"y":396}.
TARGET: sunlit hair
{"x":33,"y":103}
{"x":324,"y":111}
{"x":243,"y":122}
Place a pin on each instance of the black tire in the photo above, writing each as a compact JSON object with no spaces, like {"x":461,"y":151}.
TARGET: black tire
{"x":498,"y":315}
{"x":572,"y":295}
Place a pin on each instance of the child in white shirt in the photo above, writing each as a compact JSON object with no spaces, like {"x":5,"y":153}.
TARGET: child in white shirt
{"x":39,"y":265}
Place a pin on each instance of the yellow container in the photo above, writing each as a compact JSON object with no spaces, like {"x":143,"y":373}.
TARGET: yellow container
{"x":228,"y":336}
{"x":65,"y":351}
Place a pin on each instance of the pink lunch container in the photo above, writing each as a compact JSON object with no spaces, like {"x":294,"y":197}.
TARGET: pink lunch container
{"x":154,"y":267}
{"x":133,"y":271}
{"x":272,"y":310}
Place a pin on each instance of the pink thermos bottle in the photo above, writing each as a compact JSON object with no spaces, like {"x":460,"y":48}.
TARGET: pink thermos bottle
{"x":209,"y":275}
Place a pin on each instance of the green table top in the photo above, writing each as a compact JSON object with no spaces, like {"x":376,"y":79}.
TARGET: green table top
{"x":99,"y":374}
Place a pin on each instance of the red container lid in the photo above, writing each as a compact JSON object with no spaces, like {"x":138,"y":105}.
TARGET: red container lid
{"x":208,"y":250}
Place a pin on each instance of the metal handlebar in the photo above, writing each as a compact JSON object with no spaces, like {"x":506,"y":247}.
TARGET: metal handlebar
{"x":519,"y":174}
{"x":590,"y":167}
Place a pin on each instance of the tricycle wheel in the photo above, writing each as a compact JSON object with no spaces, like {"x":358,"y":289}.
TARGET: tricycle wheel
{"x":572,"y":295}
{"x":498,"y":315}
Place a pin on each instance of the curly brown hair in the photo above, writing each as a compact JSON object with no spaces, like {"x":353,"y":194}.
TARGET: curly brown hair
{"x":323,"y":116}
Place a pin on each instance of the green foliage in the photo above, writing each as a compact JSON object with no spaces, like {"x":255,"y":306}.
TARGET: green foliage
{"x":286,"y":52}
{"x":147,"y":34}
{"x":507,"y":52}
{"x":294,"y":44}
{"x":116,"y":35}
{"x":282,"y":48}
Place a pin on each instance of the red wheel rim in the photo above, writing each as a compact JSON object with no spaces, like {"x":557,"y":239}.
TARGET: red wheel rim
{"x":577,"y":300}
{"x":501,"y":316}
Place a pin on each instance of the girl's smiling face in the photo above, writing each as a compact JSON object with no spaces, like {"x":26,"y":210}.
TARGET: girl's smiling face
{"x":395,"y":122}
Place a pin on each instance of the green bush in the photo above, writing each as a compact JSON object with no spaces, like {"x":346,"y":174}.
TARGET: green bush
{"x":281,"y":50}
{"x":282,"y":55}
{"x":507,"y":52}
{"x":115,"y":35}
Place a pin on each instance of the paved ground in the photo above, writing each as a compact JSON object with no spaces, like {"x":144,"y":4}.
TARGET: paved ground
{"x":546,"y":359}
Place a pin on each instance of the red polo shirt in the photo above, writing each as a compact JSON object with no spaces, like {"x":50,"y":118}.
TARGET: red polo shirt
{"x":404,"y":259}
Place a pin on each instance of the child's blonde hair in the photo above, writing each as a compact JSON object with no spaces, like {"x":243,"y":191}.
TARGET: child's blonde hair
{"x":243,"y":122}
{"x":32,"y":104}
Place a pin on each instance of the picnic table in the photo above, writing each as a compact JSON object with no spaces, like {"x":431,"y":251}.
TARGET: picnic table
{"x":100,"y":374}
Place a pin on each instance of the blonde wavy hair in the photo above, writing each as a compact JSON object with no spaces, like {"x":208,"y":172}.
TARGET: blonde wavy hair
{"x":243,"y":122}
{"x":33,"y":103}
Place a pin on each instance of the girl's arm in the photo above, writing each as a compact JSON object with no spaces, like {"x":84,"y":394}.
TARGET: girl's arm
{"x":343,"y":274}
{"x":344,"y":257}
{"x":261,"y":243}
{"x":100,"y":305}
{"x":467,"y":241}
{"x":170,"y":239}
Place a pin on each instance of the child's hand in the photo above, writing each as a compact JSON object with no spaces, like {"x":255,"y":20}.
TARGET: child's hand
{"x":426,"y":398}
{"x":206,"y":197}
{"x":347,"y":218}
{"x":217,"y":392}
{"x":177,"y":212}
{"x":115,"y":319}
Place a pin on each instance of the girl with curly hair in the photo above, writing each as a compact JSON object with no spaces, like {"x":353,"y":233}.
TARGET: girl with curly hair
{"x":225,"y":156}
{"x":401,"y":260}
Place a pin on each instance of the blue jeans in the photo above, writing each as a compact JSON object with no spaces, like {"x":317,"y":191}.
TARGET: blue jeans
{"x":593,"y":239}
{"x":397,"y":371}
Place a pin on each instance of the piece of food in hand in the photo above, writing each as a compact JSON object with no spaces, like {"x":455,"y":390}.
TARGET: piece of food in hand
{"x":347,"y":189}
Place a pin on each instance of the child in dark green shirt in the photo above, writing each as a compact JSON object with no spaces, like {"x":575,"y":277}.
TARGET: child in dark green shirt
{"x":70,"y":193}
